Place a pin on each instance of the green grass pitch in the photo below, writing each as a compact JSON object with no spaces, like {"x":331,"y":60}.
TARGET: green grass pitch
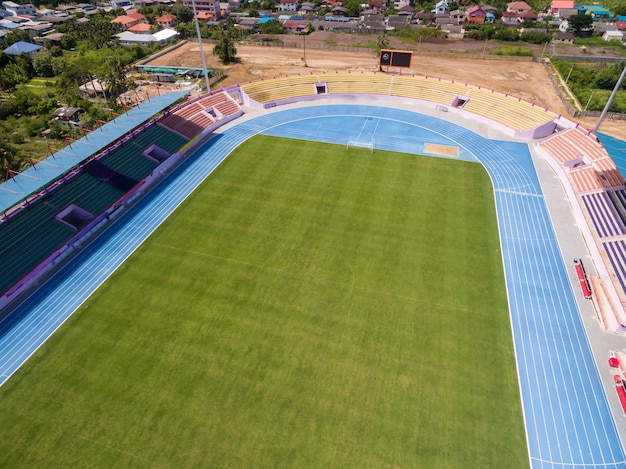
{"x":307,"y":306}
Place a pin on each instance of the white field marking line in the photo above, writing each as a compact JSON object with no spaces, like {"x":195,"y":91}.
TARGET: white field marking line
{"x":126,"y":453}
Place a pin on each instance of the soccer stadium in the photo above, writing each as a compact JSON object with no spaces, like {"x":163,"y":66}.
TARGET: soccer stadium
{"x":318,"y":270}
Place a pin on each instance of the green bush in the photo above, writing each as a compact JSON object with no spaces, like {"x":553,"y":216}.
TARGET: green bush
{"x":512,"y":51}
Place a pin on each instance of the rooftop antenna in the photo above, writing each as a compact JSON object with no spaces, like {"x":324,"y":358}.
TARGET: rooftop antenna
{"x":204,"y":70}
{"x":611,"y":98}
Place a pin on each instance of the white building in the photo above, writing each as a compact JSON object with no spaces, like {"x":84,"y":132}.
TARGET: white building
{"x":160,"y":37}
{"x":613,"y":36}
{"x":288,"y":5}
{"x":20,"y":10}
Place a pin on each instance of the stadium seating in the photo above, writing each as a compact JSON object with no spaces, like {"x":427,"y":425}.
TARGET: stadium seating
{"x":126,"y":160}
{"x":193,"y":117}
{"x":87,"y":192}
{"x":27,"y":240}
{"x":604,"y":215}
{"x":427,"y":89}
{"x":507,"y":110}
{"x":585,"y":180}
{"x":357,"y":83}
{"x":573,"y":143}
{"x":616,"y":252}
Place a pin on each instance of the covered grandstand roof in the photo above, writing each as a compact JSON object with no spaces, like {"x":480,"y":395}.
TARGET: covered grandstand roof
{"x":20,"y":187}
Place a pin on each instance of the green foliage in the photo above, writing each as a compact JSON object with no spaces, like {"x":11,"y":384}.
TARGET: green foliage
{"x":410,"y":34}
{"x":580,"y":24}
{"x":184,"y":14}
{"x":512,"y":51}
{"x":272,"y":27}
{"x":225,"y":49}
{"x":593,"y":81}
{"x":536,"y":37}
{"x":507,"y":34}
{"x":12,"y":75}
{"x":14,"y":36}
{"x":382,"y":42}
{"x":353,"y":7}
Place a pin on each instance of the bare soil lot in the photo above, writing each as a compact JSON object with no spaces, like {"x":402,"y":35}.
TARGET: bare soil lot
{"x":526,"y":79}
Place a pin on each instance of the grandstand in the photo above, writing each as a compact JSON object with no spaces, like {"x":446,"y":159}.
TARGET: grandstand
{"x":39,"y":231}
{"x":522,"y":119}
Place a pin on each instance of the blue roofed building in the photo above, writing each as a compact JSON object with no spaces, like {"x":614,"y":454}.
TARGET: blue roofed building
{"x":22,"y":47}
{"x":598,"y":12}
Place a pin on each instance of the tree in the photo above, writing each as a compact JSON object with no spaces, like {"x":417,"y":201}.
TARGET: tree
{"x":9,"y":157}
{"x":580,"y":24}
{"x":382,"y":42}
{"x":272,"y":27}
{"x":184,"y":15}
{"x":225,"y":49}
{"x":353,"y":7}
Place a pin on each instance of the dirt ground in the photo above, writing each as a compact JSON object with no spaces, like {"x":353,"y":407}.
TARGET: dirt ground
{"x":528,"y":80}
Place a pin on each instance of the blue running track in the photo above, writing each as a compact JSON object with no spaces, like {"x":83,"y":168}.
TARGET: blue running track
{"x":567,"y":417}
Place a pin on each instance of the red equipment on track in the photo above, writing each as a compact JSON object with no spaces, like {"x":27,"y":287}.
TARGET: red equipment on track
{"x":582,"y":278}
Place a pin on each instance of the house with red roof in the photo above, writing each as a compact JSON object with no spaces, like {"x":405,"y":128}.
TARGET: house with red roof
{"x":140,"y":28}
{"x":510,"y":18}
{"x":560,"y":5}
{"x":528,"y":15}
{"x":128,"y":21}
{"x":137,"y":16}
{"x":518,"y":7}
{"x":475,"y":15}
{"x":378,"y":5}
{"x":167,"y":21}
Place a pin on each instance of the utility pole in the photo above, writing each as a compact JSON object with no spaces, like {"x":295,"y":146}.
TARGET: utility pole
{"x":611,"y":98}
{"x":204,"y":70}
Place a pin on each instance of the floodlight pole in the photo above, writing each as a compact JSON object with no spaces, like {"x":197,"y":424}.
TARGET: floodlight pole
{"x":611,"y":98}
{"x":204,"y":70}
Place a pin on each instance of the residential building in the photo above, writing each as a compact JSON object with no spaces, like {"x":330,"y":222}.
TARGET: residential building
{"x":160,"y":37}
{"x":563,"y":38}
{"x":613,"y":36}
{"x":441,"y":8}
{"x":287,"y":5}
{"x":510,"y":18}
{"x":28,"y":9}
{"x":598,"y":12}
{"x":518,"y":7}
{"x":167,"y":21}
{"x":22,"y":47}
{"x":475,"y":15}
{"x":209,"y":6}
{"x":558,"y":5}
{"x":128,"y":21}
